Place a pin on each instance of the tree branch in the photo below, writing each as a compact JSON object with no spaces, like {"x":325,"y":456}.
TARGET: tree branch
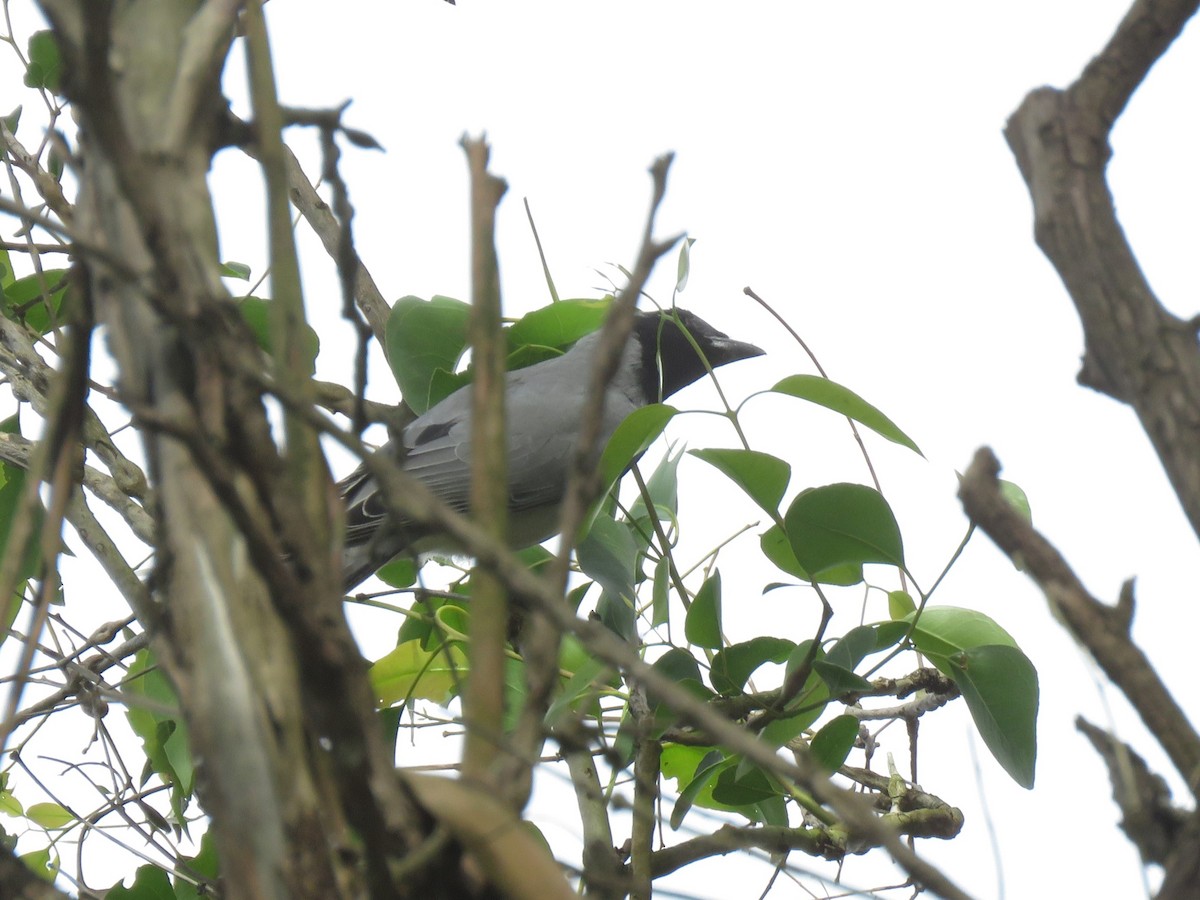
{"x":1136,"y":351}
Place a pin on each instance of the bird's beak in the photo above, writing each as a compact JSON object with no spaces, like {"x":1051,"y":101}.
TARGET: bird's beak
{"x":728,"y":350}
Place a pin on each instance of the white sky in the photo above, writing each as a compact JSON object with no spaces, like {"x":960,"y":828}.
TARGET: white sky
{"x":846,"y":161}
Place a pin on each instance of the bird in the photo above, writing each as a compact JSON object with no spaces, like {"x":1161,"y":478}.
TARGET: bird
{"x":544,"y":405}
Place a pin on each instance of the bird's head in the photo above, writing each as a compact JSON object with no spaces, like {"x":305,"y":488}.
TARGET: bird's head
{"x":674,"y":345}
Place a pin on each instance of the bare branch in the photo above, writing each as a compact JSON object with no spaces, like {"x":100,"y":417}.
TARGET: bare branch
{"x":1136,"y":351}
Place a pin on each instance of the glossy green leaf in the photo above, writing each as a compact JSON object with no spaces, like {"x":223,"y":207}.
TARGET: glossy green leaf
{"x":638,"y":431}
{"x":557,"y":326}
{"x":763,"y":478}
{"x":732,"y":667}
{"x":945,"y":630}
{"x":410,"y":671}
{"x":833,"y":742}
{"x":841,"y":399}
{"x":841,"y":525}
{"x":425,"y":338}
{"x":702,"y":627}
{"x":1000,"y":686}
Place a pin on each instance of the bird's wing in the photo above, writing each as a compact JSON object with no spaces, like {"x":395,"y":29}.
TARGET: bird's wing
{"x":439,"y":456}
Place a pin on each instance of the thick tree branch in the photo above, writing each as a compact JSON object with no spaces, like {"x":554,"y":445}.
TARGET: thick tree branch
{"x":1136,"y":351}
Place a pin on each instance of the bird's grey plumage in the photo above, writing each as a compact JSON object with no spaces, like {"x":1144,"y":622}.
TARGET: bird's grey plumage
{"x":544,"y":405}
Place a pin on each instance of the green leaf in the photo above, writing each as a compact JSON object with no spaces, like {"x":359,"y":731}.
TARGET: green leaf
{"x":1000,"y":686}
{"x":204,"y":863}
{"x":584,"y":676}
{"x":841,"y":525}
{"x":11,"y":121}
{"x":663,"y":487}
{"x":832,"y":744}
{"x":44,"y":864}
{"x":699,"y":790}
{"x":853,"y":647}
{"x":259,"y":314}
{"x":678,"y":665}
{"x":660,"y":605}
{"x":889,"y":634}
{"x":685,"y":264}
{"x":945,"y":630}
{"x":49,"y":815}
{"x":732,"y":667}
{"x":426,"y":338}
{"x":608,"y":555}
{"x":237,"y":270}
{"x":778,"y":549}
{"x":900,"y":604}
{"x":841,"y":399}
{"x":840,"y":679}
{"x":36,"y":300}
{"x":150,"y":883}
{"x":617,"y":614}
{"x":12,"y":490}
{"x":164,"y":736}
{"x":763,"y":478}
{"x":743,"y":786}
{"x":808,"y":704}
{"x":680,"y":761}
{"x":410,"y":672}
{"x":10,"y":805}
{"x":557,"y":326}
{"x":45,"y":62}
{"x":638,"y":431}
{"x":1016,"y":498}
{"x":399,"y":573}
{"x":702,"y":627}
